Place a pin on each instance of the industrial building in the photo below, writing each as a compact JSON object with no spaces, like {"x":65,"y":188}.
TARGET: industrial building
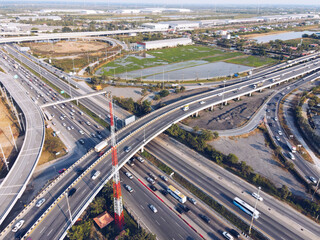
{"x":174,"y":42}
{"x":182,"y":25}
{"x":157,"y":26}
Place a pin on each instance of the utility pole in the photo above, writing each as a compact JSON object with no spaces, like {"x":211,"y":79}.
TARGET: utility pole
{"x":14,"y":142}
{"x":255,"y":207}
{"x":315,"y":189}
{"x":4,"y":158}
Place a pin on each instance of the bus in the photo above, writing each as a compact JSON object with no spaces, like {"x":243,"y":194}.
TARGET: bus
{"x":176,"y":194}
{"x":246,"y":207}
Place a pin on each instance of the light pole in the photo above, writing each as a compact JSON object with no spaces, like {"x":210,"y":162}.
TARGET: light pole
{"x":255,"y":207}
{"x":315,"y":189}
{"x":69,"y":208}
{"x":224,"y":86}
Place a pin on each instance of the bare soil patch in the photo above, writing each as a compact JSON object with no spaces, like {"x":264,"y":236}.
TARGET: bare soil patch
{"x":68,"y":47}
{"x":234,"y":115}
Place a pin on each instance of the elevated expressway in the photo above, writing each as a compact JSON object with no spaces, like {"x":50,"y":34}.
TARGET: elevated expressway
{"x":16,"y":180}
{"x":52,"y":220}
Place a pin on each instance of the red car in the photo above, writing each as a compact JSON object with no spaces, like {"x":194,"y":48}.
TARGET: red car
{"x":62,"y":170}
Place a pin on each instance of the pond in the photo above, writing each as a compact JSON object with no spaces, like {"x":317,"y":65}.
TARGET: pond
{"x":188,"y":70}
{"x":281,"y":36}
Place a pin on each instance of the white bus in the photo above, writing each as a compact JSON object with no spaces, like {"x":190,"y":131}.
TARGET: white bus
{"x":176,"y":194}
{"x":246,"y":207}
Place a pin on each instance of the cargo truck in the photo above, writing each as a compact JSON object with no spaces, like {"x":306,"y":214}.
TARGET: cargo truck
{"x":100,"y":146}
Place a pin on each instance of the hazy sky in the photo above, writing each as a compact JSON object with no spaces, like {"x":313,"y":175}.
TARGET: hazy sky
{"x":181,"y":2}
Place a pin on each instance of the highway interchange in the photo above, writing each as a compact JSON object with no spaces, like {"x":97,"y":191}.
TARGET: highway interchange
{"x":173,"y":113}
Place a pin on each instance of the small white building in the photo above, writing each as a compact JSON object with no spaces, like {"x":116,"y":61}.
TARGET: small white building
{"x":164,"y":43}
{"x":182,"y":25}
{"x":157,"y":26}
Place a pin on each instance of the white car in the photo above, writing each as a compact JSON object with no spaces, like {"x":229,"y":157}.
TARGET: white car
{"x":95,"y":175}
{"x":129,"y":175}
{"x":255,"y":195}
{"x":68,"y":128}
{"x":227,"y":235}
{"x":140,"y":159}
{"x":40,"y":202}
{"x":153,"y":208}
{"x":275,"y":118}
{"x":279,"y":132}
{"x":150,"y":180}
{"x":130,"y":190}
{"x":64,"y":124}
{"x":18,"y":225}
{"x":278,"y":138}
{"x":81,"y":132}
{"x":202,"y":102}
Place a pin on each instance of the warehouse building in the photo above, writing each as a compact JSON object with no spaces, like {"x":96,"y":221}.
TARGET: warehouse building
{"x":140,"y":46}
{"x":157,"y":26}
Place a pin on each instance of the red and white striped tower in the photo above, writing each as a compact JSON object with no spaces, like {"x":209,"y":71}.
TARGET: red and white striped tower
{"x":117,"y":196}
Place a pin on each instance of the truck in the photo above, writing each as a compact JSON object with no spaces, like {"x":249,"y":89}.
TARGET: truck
{"x":186,"y":108}
{"x":291,"y":147}
{"x":99,"y":147}
{"x":48,"y":115}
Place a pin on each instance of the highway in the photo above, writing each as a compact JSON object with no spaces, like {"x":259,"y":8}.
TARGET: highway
{"x":15,"y":182}
{"x":277,"y":220}
{"x":153,"y":124}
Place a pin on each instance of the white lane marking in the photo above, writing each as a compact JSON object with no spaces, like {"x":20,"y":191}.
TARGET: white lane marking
{"x":181,"y":236}
{"x":49,"y":232}
{"x":157,"y":222}
{"x":42,"y":229}
{"x":141,"y":206}
{"x":163,"y":219}
{"x":83,"y":191}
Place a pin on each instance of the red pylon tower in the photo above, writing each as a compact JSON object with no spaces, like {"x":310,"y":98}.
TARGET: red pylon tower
{"x":117,"y":196}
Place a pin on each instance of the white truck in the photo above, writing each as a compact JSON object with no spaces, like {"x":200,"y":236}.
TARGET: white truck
{"x":101,"y":146}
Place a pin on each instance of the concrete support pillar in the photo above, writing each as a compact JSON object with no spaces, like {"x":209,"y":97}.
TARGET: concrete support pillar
{"x":211,"y":108}
{"x":250,"y":94}
{"x":239,"y":98}
{"x":260,"y":90}
{"x":77,"y":102}
{"x":142,"y":149}
{"x":270,"y":86}
{"x":225,"y":103}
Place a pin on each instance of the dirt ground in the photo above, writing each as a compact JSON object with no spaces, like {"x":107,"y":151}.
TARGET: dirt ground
{"x":5,"y":134}
{"x":68,"y":47}
{"x":260,"y":159}
{"x":231,"y":116}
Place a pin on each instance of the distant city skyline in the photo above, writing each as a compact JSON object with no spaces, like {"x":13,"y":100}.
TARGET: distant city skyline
{"x":182,"y":2}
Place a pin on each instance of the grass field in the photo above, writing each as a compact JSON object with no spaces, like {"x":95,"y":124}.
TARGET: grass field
{"x":166,"y":56}
{"x":252,"y":61}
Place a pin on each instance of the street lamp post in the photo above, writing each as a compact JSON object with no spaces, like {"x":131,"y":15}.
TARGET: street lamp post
{"x":224,"y":86}
{"x":69,"y":208}
{"x":255,"y":207}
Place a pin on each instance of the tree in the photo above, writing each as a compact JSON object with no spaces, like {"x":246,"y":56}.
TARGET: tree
{"x":156,"y":97}
{"x":144,"y":92}
{"x":206,"y":135}
{"x":146,"y":107}
{"x":231,"y":158}
{"x":97,"y":206}
{"x":215,"y":134}
{"x":66,"y":29}
{"x":164,"y":93}
{"x":80,"y":231}
{"x":183,"y":88}
{"x":285,"y":192}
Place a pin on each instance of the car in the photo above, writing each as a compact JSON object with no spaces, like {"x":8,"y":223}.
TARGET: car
{"x":131,"y":162}
{"x":81,"y":113}
{"x":227,"y":235}
{"x":129,"y":175}
{"x":71,"y":113}
{"x":62,"y":106}
{"x":61,"y":117}
{"x":164,"y":192}
{"x":234,"y":233}
{"x":18,"y":225}
{"x":62,"y":170}
{"x":88,"y":123}
{"x":153,"y":188}
{"x":193,"y":201}
{"x":152,"y":176}
{"x":72,"y":117}
{"x":93,"y":135}
{"x":81,"y":132}
{"x":72,"y":110}
{"x":202,"y":102}
{"x":280,"y":132}
{"x":164,"y":178}
{"x":95,"y":175}
{"x":179,"y":210}
{"x":127,"y":149}
{"x":184,"y":207}
{"x":53,"y":123}
{"x":71,"y":192}
{"x":80,"y":121}
{"x":40,"y":202}
{"x":97,"y":126}
{"x":268,"y":110}
{"x":278,"y":138}
{"x":153,"y":208}
{"x":257,"y":196}
{"x":68,"y":128}
{"x":313,"y":180}
{"x":140,"y":159}
{"x":99,"y":137}
{"x":205,"y":218}
{"x":150,"y":180}
{"x":275,"y":118}
{"x":64,"y":124}
{"x":129,"y":189}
